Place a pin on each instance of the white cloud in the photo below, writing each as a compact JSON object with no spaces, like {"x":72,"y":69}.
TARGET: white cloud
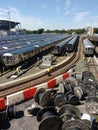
{"x":13,"y":10}
{"x":28,"y":22}
{"x":2,"y":14}
{"x":67,"y":4}
{"x":3,"y":10}
{"x":93,"y":21}
{"x":31,"y":22}
{"x":81,"y":16}
{"x":71,"y":10}
{"x":67,"y":12}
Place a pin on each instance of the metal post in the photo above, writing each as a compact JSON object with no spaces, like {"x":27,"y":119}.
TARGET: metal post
{"x":9,"y":22}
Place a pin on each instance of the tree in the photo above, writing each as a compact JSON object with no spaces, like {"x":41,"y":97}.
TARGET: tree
{"x":40,"y":31}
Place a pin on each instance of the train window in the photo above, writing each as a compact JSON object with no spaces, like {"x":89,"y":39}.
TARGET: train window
{"x":18,"y":56}
{"x":24,"y":53}
{"x":4,"y":57}
{"x":10,"y":58}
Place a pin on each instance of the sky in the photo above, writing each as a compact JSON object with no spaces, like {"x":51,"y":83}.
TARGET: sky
{"x":51,"y":14}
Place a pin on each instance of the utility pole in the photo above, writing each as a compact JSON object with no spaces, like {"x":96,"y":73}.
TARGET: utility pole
{"x":9,"y":22}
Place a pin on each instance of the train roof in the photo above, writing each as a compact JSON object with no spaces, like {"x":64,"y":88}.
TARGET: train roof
{"x":33,"y":45}
{"x":87,"y":43}
{"x":12,"y":45}
{"x":7,"y":54}
{"x":34,"y":37}
{"x":72,"y":41}
{"x":27,"y":48}
{"x":20,"y":50}
{"x":65,"y":41}
{"x":6,"y":51}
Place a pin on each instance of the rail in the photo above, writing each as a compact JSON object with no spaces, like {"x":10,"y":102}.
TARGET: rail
{"x":30,"y":81}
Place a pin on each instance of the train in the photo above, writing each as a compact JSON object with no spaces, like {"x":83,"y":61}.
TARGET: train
{"x":72,"y":44}
{"x":14,"y":56}
{"x":13,"y":45}
{"x":88,"y":48}
{"x":59,"y":49}
{"x":18,"y":38}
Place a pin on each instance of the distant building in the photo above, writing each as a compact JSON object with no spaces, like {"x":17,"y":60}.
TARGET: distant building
{"x":7,"y":27}
{"x":90,"y":30}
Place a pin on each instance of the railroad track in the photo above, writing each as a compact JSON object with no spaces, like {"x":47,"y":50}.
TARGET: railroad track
{"x":33,"y":81}
{"x":91,"y":66}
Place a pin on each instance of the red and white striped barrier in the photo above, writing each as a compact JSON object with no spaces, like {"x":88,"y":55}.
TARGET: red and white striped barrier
{"x":2,"y":104}
{"x":29,"y":93}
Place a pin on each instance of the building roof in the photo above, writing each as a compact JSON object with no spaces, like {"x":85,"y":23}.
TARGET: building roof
{"x":4,"y":24}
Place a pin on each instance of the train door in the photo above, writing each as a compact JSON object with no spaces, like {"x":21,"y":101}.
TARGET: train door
{"x":92,"y":51}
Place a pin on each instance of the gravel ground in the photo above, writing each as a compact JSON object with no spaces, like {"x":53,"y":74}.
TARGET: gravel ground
{"x":30,"y":123}
{"x":27,"y":123}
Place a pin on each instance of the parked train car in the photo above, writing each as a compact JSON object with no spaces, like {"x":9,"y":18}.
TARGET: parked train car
{"x":88,"y":48}
{"x":70,"y":46}
{"x":59,"y":49}
{"x":13,"y":45}
{"x":25,"y":40}
{"x":14,"y":57}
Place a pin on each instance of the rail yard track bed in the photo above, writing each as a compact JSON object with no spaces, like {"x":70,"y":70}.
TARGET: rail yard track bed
{"x":31,"y":80}
{"x":28,"y":123}
{"x":76,"y":60}
{"x":88,"y":64}
{"x":34,"y":70}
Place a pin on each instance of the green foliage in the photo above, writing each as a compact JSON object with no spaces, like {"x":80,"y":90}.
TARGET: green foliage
{"x":40,"y":31}
{"x":95,"y":30}
{"x":96,"y":118}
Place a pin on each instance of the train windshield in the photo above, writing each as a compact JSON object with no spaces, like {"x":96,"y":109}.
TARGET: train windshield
{"x":8,"y":60}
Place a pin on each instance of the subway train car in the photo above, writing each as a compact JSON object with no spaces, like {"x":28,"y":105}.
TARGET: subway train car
{"x":59,"y":49}
{"x":13,"y":45}
{"x":88,"y":48}
{"x":5,"y":51}
{"x":15,"y":56}
{"x":71,"y":45}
